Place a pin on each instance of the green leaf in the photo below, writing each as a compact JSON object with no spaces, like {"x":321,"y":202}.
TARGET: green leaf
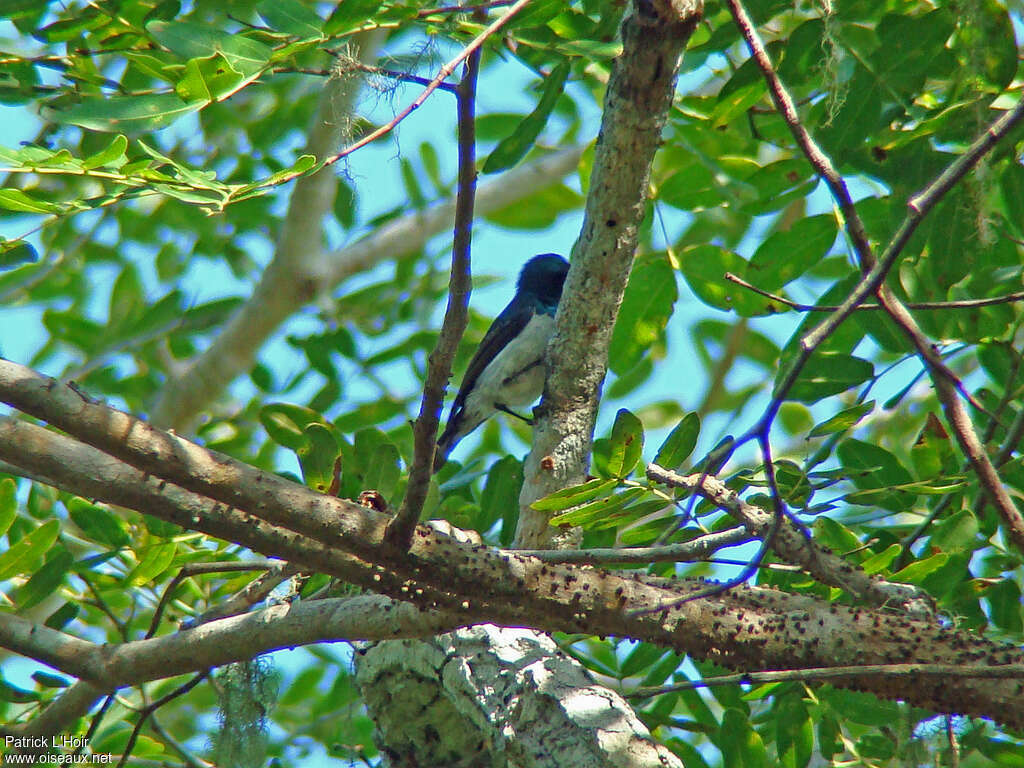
{"x":164,"y":10}
{"x":285,"y":423}
{"x":514,"y":147}
{"x":872,"y":468}
{"x":111,"y":156}
{"x":915,"y":573}
{"x":16,"y":695}
{"x":98,"y":524}
{"x":640,"y":658}
{"x":539,"y":210}
{"x":596,"y":511}
{"x":835,"y":536}
{"x":27,"y":550}
{"x":156,"y":558}
{"x":863,"y":707}
{"x":8,"y":504}
{"x":627,"y":444}
{"x":16,"y":200}
{"x":740,"y":744}
{"x":881,"y":560}
{"x":680,"y":442}
{"x":794,"y":733}
{"x":1004,"y":599}
{"x":824,"y":374}
{"x":785,"y":256}
{"x":317,"y":455}
{"x":933,"y":454}
{"x":704,"y":268}
{"x":957,"y":533}
{"x":45,"y":581}
{"x":646,"y":308}
{"x":843,"y":420}
{"x":134,"y":114}
{"x":14,"y":253}
{"x":575,"y":495}
{"x":209,"y":79}
{"x":195,"y":41}
{"x":345,"y":204}
{"x":62,"y":616}
{"x":349,"y":15}
{"x":291,"y":17}
{"x":47,"y":680}
{"x":500,"y":497}
{"x":384,"y":470}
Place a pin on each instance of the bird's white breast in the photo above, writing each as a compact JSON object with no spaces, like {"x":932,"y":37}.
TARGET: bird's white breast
{"x":516,"y":375}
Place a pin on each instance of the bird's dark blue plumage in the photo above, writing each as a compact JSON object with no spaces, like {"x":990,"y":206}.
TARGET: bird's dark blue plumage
{"x":508,"y":367}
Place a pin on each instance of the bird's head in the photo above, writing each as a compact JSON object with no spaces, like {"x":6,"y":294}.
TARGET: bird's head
{"x":543,"y":277}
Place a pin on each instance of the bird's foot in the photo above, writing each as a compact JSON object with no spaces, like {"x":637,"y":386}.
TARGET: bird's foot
{"x":505,"y":409}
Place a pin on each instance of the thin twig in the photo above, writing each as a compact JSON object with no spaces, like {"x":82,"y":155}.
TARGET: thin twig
{"x":94,"y":725}
{"x":477,"y":9}
{"x":960,"y":420}
{"x":696,"y":549}
{"x":153,"y":707}
{"x":441,"y":76}
{"x":196,"y":569}
{"x":921,"y":305}
{"x":254,"y":592}
{"x":456,"y":316}
{"x":791,"y":542}
{"x":359,"y":66}
{"x":768,"y":535}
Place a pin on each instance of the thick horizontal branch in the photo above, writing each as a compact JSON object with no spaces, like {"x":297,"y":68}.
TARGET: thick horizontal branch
{"x":744,"y":628}
{"x":110,"y":666}
{"x":103,"y":668}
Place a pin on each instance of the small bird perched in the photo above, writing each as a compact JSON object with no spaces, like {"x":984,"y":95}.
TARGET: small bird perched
{"x":508,"y":367}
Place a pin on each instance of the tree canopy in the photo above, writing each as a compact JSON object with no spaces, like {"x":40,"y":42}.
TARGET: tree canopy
{"x":767,"y":511}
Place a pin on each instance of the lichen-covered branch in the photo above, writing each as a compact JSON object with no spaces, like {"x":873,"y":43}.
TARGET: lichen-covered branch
{"x":745,"y":629}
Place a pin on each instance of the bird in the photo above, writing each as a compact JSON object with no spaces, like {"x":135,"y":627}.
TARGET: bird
{"x":507,"y":369}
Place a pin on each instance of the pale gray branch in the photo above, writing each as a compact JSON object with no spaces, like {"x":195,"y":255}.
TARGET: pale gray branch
{"x":104,"y":668}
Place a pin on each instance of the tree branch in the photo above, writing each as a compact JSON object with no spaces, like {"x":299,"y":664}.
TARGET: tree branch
{"x":636,"y":104}
{"x":790,"y":543}
{"x":925,"y":305}
{"x":442,"y":74}
{"x":875,"y":271}
{"x":978,"y":672}
{"x":469,"y":583}
{"x":103,"y":668}
{"x":456,"y":317}
{"x":697,"y":549}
